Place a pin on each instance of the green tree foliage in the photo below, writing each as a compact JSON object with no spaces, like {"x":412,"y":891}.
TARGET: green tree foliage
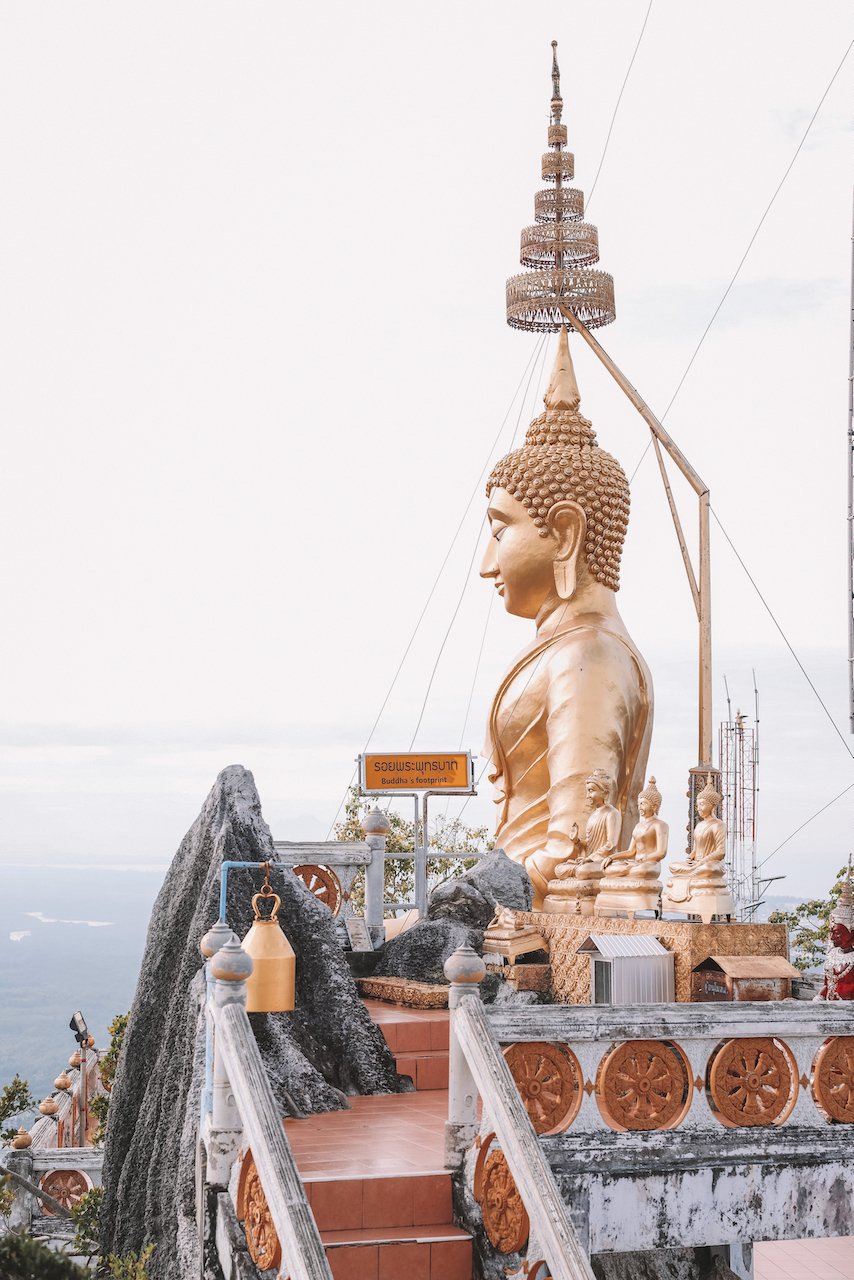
{"x":86,"y":1215}
{"x":110,"y":1060}
{"x":15,"y":1099}
{"x":809,"y":927}
{"x":22,"y":1258}
{"x":446,"y":836}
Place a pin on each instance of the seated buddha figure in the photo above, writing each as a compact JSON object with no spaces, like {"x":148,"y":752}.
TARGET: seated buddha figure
{"x":698,"y":885}
{"x":577,"y":880}
{"x":580,"y":691}
{"x":630,"y":880}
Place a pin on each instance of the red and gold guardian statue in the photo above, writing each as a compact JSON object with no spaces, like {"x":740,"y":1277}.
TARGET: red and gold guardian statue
{"x":839,"y":965}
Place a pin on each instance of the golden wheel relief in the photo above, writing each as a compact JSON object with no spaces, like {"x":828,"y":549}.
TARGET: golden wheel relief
{"x":323,"y":884}
{"x":644,"y":1085}
{"x":504,"y":1217}
{"x":833,"y":1079}
{"x":65,"y":1185}
{"x":549,"y":1079}
{"x":752,"y":1081}
{"x":253,"y":1210}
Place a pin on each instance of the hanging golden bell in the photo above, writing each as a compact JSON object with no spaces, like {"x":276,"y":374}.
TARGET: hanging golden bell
{"x":270,"y":986}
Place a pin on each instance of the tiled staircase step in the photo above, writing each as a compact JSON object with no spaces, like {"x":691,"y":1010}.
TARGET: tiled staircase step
{"x":409,"y":1202}
{"x":428,"y":1068}
{"x":426,"y":1253}
{"x":415,"y":1037}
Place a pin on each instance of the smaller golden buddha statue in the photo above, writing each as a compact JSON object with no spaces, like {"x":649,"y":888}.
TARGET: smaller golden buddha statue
{"x":576,"y":885}
{"x":630,"y":880}
{"x":698,"y":885}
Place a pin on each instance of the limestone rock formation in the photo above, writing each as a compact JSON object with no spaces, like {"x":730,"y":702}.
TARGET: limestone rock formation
{"x":471,"y":899}
{"x":315,"y":1056}
{"x":421,"y":952}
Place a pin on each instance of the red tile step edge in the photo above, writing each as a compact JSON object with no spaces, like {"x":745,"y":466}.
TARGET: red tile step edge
{"x":435,"y":1253}
{"x":428,"y":1070}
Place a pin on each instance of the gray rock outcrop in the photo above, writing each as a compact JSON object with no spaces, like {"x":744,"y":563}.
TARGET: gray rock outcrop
{"x":471,"y":898}
{"x":315,"y":1056}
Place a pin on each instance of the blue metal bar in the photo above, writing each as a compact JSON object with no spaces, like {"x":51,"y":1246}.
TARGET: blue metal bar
{"x":223,"y":882}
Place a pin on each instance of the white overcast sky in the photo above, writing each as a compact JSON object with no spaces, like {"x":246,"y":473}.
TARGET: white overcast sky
{"x":254,"y":361}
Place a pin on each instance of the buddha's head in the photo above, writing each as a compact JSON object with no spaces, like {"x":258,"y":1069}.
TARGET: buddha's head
{"x":649,"y":800}
{"x":558,"y":507}
{"x":708,"y":799}
{"x":598,"y":787}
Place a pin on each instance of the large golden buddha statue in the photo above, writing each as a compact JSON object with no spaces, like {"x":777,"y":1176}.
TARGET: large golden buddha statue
{"x":579,"y":697}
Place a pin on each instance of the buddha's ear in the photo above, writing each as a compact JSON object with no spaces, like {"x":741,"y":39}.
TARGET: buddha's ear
{"x":567,"y":524}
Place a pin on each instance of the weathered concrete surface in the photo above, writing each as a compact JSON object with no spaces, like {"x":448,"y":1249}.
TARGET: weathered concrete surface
{"x":328,"y":1047}
{"x":471,"y":898}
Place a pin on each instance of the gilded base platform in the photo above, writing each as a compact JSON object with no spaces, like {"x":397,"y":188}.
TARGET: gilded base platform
{"x":689,"y":942}
{"x":705,"y":905}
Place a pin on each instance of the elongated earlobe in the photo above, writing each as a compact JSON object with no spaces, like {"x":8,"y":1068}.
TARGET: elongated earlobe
{"x":565,"y":578}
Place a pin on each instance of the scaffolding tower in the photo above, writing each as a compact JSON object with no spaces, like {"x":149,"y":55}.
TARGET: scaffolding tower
{"x":739,"y":757}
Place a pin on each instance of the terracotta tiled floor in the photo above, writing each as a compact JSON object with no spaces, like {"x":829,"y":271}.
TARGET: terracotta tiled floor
{"x":391,"y":1133}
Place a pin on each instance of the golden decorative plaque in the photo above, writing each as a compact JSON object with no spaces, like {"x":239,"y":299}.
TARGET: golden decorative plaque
{"x":409,"y":771}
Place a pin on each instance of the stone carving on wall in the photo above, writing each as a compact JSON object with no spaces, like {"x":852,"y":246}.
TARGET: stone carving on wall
{"x":505,"y":1219}
{"x":833,"y":1079}
{"x":581,"y":693}
{"x":262,"y":1241}
{"x":752,"y":1081}
{"x":644,"y":1085}
{"x":323,"y":883}
{"x":549,"y":1079}
{"x":65,"y":1185}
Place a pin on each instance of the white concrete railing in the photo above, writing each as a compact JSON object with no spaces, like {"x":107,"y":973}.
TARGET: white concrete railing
{"x":663,"y":1125}
{"x":477,"y":1065}
{"x":244,"y":1112}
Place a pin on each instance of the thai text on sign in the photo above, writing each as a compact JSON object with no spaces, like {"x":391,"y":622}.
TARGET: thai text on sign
{"x":416,"y":771}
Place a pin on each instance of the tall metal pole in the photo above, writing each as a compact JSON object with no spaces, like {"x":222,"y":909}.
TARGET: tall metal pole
{"x":704,"y":583}
{"x":851,"y":500}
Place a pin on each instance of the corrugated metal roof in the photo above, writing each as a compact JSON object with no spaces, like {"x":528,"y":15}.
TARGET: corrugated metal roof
{"x":752,"y":966}
{"x":610,"y":945}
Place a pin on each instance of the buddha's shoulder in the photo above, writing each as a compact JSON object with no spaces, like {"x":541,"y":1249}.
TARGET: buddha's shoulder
{"x":593,"y":643}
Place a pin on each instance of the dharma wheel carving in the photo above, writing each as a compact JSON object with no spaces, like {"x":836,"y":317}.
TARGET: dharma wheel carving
{"x":65,"y":1185}
{"x":504,"y":1218}
{"x":323,"y":883}
{"x":833,"y":1079}
{"x":253,"y":1210}
{"x":752,"y":1081}
{"x":549,"y":1079}
{"x":644,"y":1085}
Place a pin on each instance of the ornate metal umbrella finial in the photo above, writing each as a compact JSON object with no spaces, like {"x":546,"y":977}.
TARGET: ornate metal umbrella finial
{"x":557,"y":100}
{"x":560,"y":247}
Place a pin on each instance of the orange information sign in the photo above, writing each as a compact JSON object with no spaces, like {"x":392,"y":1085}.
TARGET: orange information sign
{"x":416,"y":771}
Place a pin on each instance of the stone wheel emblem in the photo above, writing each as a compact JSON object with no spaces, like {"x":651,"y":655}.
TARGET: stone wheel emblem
{"x":833,"y":1079}
{"x":253,"y":1210}
{"x":323,"y":883}
{"x":504,"y":1218}
{"x":549,"y":1080}
{"x":643,"y":1085}
{"x":65,"y":1185}
{"x":752,"y":1081}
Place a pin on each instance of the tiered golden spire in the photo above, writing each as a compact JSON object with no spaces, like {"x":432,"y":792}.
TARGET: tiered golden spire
{"x":560,"y":247}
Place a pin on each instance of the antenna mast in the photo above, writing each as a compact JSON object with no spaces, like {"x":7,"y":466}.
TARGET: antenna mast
{"x":851,"y":504}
